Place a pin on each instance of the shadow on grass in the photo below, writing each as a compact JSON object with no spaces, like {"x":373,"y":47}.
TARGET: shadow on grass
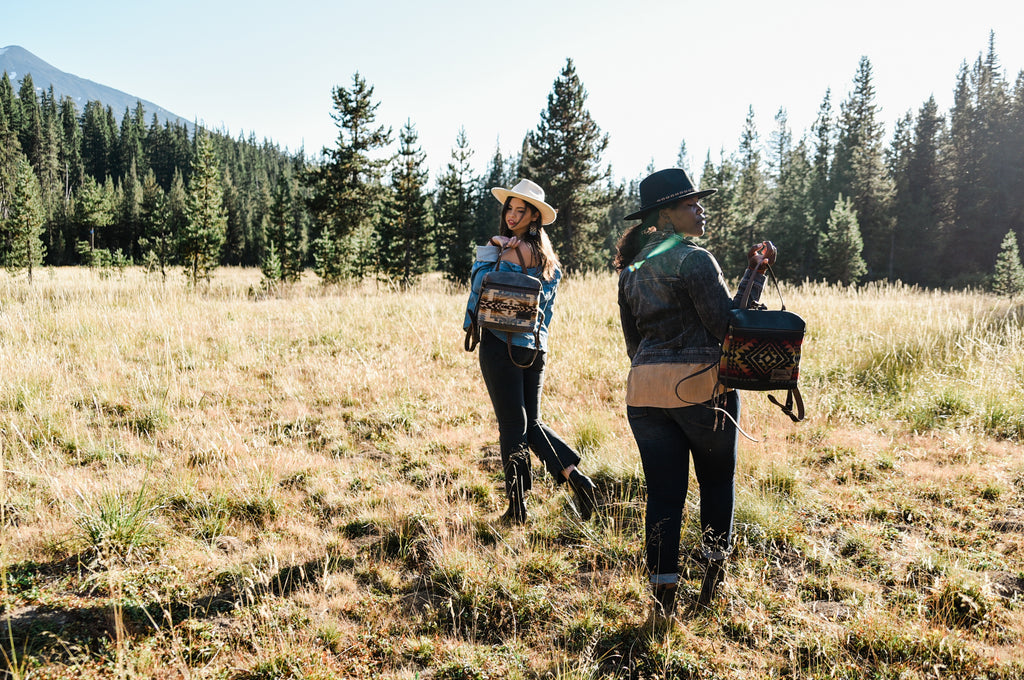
{"x":54,"y":633}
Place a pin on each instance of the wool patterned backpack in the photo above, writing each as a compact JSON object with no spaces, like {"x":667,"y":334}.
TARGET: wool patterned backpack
{"x":761,"y":351}
{"x":508,"y":302}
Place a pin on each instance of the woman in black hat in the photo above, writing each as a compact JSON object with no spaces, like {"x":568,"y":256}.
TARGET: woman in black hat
{"x":673,"y":305}
{"x":513,"y":373}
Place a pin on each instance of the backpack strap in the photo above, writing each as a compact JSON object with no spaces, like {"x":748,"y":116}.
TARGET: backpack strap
{"x":792,"y":398}
{"x":472,"y":333}
{"x":536,"y":349}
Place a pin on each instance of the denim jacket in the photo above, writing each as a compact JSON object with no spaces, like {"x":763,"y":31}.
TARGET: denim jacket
{"x":674,"y":303}
{"x":486,"y":257}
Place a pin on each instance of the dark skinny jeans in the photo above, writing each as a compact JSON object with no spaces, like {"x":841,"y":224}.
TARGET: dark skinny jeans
{"x":667,"y":437}
{"x":515,"y":394}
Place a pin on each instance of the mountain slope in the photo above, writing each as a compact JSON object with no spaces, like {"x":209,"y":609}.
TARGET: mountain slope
{"x":17,"y":62}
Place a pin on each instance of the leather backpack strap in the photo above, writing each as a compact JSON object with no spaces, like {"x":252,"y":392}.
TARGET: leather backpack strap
{"x":472,"y":334}
{"x":504,"y":249}
{"x":536,"y":350}
{"x":792,"y":398}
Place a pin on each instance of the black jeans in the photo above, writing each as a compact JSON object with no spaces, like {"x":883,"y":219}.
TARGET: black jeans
{"x":515,"y":394}
{"x":667,"y":437}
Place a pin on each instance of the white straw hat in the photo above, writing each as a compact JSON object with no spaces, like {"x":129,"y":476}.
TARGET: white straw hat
{"x":532,"y":194}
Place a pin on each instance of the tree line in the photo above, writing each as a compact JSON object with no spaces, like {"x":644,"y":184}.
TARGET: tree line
{"x":940,"y":202}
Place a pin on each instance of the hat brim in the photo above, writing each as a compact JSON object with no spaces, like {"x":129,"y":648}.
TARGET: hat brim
{"x":547,"y":213}
{"x":654,"y":206}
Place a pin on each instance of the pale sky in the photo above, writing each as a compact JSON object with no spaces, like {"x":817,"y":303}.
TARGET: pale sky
{"x":657,"y":72}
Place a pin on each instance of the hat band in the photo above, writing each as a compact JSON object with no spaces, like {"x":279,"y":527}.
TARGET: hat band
{"x":684,"y":192}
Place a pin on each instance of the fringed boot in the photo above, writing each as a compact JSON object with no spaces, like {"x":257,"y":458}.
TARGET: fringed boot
{"x":517,"y":483}
{"x":516,"y":513}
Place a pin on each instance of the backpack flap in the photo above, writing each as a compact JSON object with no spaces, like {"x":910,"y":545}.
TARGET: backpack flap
{"x":761,"y":350}
{"x":509,"y":302}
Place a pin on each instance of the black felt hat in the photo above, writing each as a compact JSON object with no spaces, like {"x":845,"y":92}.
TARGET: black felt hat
{"x":665,"y":186}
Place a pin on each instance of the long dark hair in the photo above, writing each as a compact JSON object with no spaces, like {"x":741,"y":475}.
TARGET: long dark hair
{"x":540,"y":244}
{"x":634,"y":239}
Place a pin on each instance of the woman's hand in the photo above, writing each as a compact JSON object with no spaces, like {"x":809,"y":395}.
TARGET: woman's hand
{"x":504,"y":241}
{"x":761,"y":256}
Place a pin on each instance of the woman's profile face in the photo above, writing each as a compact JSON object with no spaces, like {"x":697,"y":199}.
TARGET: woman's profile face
{"x":687,"y":217}
{"x":518,"y":215}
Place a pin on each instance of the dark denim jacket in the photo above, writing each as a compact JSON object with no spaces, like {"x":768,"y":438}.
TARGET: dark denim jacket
{"x":485,"y":262}
{"x":674,"y":303}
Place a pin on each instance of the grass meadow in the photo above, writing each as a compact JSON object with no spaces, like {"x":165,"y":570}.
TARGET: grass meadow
{"x":305,"y":483}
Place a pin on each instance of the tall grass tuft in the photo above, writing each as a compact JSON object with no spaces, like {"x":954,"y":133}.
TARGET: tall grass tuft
{"x":119,"y":526}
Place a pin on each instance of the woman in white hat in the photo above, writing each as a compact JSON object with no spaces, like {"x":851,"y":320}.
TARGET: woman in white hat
{"x":513,"y":382}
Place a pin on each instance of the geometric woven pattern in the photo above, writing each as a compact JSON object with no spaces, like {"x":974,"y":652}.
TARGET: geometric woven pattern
{"x":756,"y":362}
{"x":506,"y":306}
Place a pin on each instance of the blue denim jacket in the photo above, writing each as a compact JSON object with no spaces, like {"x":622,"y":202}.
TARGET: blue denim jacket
{"x":674,"y":303}
{"x":485,"y":259}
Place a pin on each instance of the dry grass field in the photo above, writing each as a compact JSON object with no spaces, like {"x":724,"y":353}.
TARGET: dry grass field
{"x":231,"y":484}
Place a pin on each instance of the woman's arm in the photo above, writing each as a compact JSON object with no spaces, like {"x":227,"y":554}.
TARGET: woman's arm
{"x":629,"y":330}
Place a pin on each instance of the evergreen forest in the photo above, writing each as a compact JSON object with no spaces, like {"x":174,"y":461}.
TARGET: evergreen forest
{"x":938,"y":201}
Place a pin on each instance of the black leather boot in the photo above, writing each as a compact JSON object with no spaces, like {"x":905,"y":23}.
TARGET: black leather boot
{"x":517,"y":483}
{"x":663,"y":609}
{"x":713,"y":577}
{"x":516,"y":513}
{"x":586,"y":493}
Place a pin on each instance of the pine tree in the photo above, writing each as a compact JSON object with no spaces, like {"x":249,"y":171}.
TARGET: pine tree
{"x":48,"y":159}
{"x":70,"y":156}
{"x":750,"y":198}
{"x":840,"y":248}
{"x":97,"y":141}
{"x":284,"y":232}
{"x":235,"y":231}
{"x":177,"y":212}
{"x":201,"y":239}
{"x":618,"y":196}
{"x":919,"y":196}
{"x":10,"y":111}
{"x":128,"y":213}
{"x":453,"y":212}
{"x":30,"y":129}
{"x":346,"y":188}
{"x":487,"y":211}
{"x":1008,"y":279}
{"x":10,"y":157}
{"x":270,"y":267}
{"x":725,"y":223}
{"x":24,"y":223}
{"x":789,"y":216}
{"x":93,"y":213}
{"x":563,"y":155}
{"x":821,"y":196}
{"x":983,"y":162}
{"x":404,"y":237}
{"x":157,"y":241}
{"x":683,"y":159}
{"x":859,"y":171}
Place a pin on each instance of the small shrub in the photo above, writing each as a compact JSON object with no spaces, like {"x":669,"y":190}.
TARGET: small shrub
{"x":959,"y":606}
{"x":991,"y":492}
{"x":780,"y":481}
